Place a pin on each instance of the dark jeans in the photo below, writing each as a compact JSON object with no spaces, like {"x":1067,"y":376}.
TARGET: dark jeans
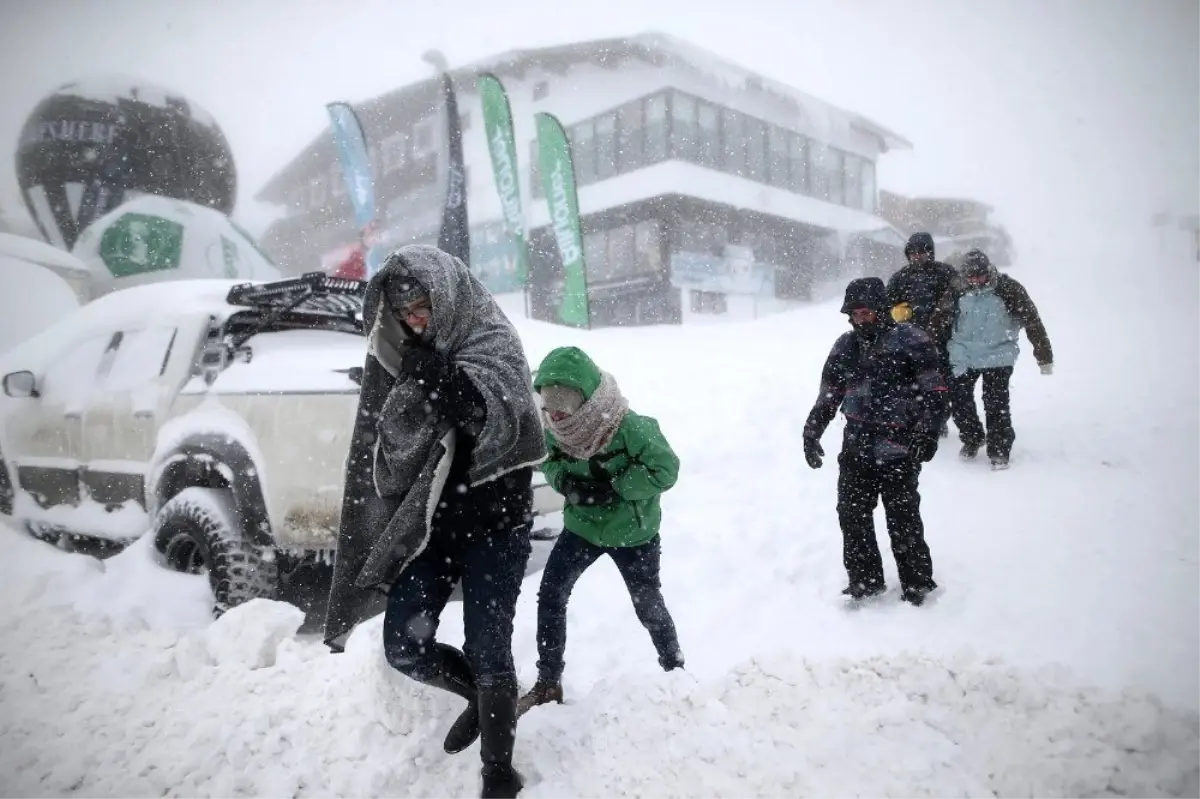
{"x":1000,"y":434}
{"x":861,"y":482}
{"x":491,"y":566}
{"x":639,"y":567}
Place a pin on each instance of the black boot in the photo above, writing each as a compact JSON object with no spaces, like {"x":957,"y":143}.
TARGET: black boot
{"x":453,"y":674}
{"x":498,"y":728}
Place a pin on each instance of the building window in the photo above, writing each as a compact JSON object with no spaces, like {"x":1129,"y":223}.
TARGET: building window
{"x":629,"y":137}
{"x":818,"y":164}
{"x":777,"y":172}
{"x":583,"y":152}
{"x":709,"y":130}
{"x":853,"y":192}
{"x":656,"y":129}
{"x":423,"y":139}
{"x":621,"y":259}
{"x":735,"y":142}
{"x":541,"y":90}
{"x":647,"y":245}
{"x":606,"y":125}
{"x":394,"y":152}
{"x":837,"y":180}
{"x":798,"y":156}
{"x":683,"y":127}
{"x":700,"y":237}
{"x":868,"y":186}
{"x":756,"y":150}
{"x":595,"y":254}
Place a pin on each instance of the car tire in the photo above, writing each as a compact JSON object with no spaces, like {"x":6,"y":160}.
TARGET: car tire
{"x":198,"y":530}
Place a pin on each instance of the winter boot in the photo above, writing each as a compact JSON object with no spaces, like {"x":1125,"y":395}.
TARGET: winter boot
{"x":498,"y":733}
{"x":999,"y":462}
{"x":454,"y":675}
{"x":968,"y":451}
{"x":915,"y":595}
{"x":543,"y":692}
{"x":863,"y":590}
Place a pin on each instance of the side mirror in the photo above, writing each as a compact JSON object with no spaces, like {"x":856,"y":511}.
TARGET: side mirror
{"x":20,"y":385}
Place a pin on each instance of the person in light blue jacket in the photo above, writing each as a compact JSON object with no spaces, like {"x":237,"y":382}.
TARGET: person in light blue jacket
{"x":986,"y":311}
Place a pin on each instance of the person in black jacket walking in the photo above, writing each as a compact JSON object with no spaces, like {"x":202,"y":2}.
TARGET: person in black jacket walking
{"x":915,"y":291}
{"x":887,"y":379}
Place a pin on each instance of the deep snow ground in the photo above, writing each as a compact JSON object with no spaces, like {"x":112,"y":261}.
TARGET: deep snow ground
{"x":1061,"y":658}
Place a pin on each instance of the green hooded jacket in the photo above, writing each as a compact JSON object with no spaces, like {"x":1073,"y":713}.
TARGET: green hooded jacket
{"x":639,"y":462}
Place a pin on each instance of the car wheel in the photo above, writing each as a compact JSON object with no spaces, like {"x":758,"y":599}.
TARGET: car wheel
{"x":198,"y":533}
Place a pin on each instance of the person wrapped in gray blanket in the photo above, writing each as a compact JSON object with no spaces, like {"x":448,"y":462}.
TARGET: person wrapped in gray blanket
{"x":439,"y":489}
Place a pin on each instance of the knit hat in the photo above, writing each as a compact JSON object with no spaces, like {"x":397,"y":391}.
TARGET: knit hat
{"x":400,"y":290}
{"x":866,"y":292}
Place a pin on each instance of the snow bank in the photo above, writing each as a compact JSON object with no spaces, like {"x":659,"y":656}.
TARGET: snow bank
{"x":245,"y":708}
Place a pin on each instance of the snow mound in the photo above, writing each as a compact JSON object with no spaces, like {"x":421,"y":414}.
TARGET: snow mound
{"x":249,"y":635}
{"x":897,"y":726}
{"x":245,"y":708}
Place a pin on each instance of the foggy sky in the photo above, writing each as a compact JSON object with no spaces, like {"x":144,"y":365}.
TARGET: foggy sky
{"x":1069,"y":116}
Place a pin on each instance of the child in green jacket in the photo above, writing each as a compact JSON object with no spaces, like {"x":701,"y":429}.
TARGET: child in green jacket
{"x":611,"y":465}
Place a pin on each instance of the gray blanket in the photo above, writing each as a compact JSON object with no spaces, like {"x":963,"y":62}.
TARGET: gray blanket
{"x":398,"y":461}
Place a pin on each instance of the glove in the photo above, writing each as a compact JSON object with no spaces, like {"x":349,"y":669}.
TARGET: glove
{"x":901,"y":312}
{"x":813,"y":452}
{"x":585,"y":491}
{"x":1047,"y":368}
{"x":923,"y":449}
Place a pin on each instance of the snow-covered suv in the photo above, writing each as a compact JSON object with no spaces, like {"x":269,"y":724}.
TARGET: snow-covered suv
{"x":215,"y":414}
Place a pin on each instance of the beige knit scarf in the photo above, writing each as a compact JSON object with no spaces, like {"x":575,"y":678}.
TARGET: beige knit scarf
{"x":589,"y":430}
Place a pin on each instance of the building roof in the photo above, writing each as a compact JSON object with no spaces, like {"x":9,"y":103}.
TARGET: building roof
{"x":653,"y":48}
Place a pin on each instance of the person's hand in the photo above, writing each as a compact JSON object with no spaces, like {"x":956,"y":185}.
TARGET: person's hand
{"x":1047,"y":368}
{"x":923,"y":449}
{"x":813,"y":452}
{"x":584,"y":491}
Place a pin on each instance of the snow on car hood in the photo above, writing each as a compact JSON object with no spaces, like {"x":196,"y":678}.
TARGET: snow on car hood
{"x":292,"y":361}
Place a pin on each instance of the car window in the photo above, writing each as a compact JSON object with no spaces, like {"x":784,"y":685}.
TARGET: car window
{"x":72,"y":376}
{"x":135,"y":358}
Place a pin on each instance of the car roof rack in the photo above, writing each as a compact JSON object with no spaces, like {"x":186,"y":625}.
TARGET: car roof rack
{"x":310,"y":296}
{"x":314,"y":292}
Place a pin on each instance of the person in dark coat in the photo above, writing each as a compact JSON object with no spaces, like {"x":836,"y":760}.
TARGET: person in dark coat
{"x":439,"y":490}
{"x":985,"y":311}
{"x":886,"y":378}
{"x":915,"y":291}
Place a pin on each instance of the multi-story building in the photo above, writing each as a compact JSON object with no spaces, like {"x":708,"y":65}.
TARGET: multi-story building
{"x":697,"y":180}
{"x":956,"y":224}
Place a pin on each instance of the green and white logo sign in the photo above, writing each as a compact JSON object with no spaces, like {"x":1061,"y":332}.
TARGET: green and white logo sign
{"x":139,"y":243}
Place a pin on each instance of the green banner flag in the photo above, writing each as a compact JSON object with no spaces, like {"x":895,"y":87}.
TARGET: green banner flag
{"x":502,"y":146}
{"x":558,"y":179}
